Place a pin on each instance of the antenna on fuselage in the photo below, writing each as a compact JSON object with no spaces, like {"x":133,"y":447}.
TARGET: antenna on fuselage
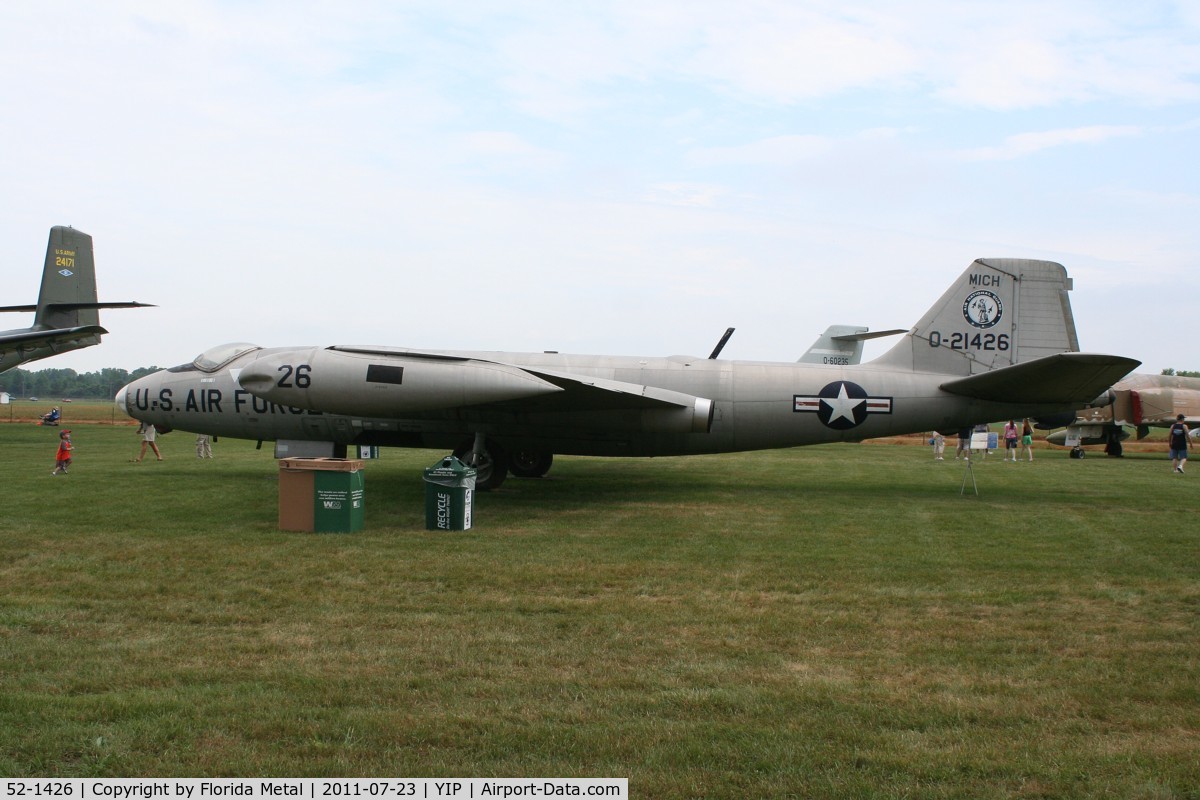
{"x":721,"y":344}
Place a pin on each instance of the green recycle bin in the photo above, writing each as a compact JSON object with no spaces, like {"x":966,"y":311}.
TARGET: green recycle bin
{"x":449,"y":494}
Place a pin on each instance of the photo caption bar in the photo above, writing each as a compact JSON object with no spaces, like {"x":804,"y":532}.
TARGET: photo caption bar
{"x":313,"y":788}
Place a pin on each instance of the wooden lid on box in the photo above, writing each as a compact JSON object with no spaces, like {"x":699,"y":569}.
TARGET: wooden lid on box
{"x":325,"y":464}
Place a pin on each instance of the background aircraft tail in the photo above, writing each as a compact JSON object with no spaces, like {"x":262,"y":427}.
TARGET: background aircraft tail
{"x":1000,"y":312}
{"x":68,"y":295}
{"x":837,"y":346}
{"x":67,"y":315}
{"x":841,"y":345}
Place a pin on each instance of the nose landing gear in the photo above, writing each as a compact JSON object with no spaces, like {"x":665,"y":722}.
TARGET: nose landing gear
{"x":489,"y":460}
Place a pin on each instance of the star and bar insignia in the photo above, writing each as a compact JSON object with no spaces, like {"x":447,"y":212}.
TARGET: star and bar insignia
{"x":842,"y":405}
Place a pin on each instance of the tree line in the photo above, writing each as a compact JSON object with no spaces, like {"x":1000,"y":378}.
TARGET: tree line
{"x":58,"y":384}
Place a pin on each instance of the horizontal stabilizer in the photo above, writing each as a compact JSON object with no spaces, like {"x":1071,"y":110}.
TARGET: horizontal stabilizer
{"x":47,"y":338}
{"x":865,"y":335}
{"x":76,"y":306}
{"x":1068,"y":379}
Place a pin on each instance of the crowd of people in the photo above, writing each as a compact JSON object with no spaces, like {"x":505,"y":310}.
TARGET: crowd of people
{"x":1018,"y":440}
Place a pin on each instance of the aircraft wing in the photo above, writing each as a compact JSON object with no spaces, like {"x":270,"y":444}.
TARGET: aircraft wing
{"x":1068,"y":379}
{"x":584,"y":392}
{"x":578,"y":392}
{"x":27,"y":339}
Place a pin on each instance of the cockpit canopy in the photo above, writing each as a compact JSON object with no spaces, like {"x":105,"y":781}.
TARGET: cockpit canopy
{"x":214,"y":358}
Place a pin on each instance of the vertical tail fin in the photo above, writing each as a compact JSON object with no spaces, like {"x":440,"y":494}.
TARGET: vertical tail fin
{"x":837,"y":346}
{"x":1000,"y":311}
{"x":841,"y":345}
{"x":68,"y":295}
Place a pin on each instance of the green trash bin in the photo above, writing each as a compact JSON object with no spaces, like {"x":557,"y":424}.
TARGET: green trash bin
{"x":338,"y":498}
{"x":321,"y":494}
{"x":449,"y":494}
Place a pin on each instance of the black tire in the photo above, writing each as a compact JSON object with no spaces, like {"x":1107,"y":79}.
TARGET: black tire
{"x":530,"y":463}
{"x":492,"y":467}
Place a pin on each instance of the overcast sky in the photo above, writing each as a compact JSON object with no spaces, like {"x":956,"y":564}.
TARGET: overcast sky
{"x":616,"y":177}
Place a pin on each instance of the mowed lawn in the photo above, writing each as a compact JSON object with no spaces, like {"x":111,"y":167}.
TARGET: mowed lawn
{"x":836,"y":621}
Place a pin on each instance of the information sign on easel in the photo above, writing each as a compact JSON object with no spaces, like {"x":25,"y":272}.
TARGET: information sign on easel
{"x":979,"y":444}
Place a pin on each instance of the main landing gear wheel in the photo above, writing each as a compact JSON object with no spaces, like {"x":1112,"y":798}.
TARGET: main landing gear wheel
{"x":491,"y":465}
{"x":530,"y":463}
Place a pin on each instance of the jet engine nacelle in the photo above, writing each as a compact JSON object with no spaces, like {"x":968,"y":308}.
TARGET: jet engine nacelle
{"x":358,"y":384}
{"x":1107,"y":398}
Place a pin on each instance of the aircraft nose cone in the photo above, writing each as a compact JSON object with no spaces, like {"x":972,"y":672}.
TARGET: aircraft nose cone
{"x":120,"y":400}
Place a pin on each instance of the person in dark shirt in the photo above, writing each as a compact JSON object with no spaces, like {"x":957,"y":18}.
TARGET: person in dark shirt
{"x":1179,"y":443}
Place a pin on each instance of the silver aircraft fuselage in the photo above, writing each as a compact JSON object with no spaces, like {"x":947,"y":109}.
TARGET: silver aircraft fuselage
{"x":754,"y":405}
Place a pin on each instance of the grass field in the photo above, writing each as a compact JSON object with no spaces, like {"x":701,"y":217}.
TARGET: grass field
{"x":835,"y":621}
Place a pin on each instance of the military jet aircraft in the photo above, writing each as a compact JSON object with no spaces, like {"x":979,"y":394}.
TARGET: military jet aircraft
{"x":66,"y":316}
{"x":1138,"y":401}
{"x":999,"y":343}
